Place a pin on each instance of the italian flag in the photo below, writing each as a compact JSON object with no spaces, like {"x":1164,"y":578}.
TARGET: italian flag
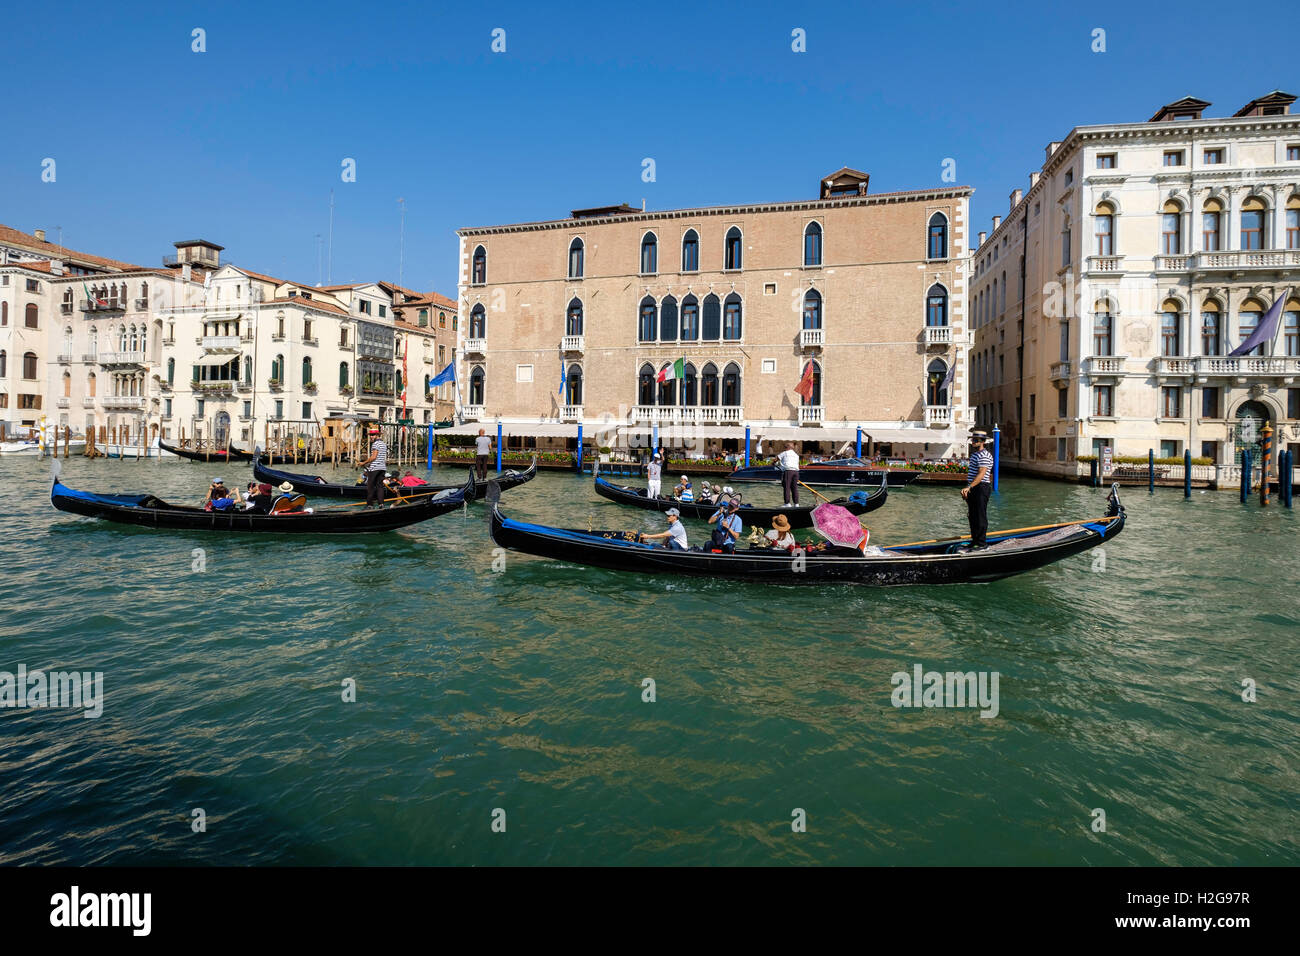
{"x":90,"y":296}
{"x":676,"y":370}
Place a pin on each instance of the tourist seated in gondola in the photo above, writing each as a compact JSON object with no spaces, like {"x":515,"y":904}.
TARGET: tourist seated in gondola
{"x":675,"y":537}
{"x":259,"y":501}
{"x":708,"y":494}
{"x":683,"y":491}
{"x":411,"y":481}
{"x":728,"y":528}
{"x":288,"y":501}
{"x":220,"y":498}
{"x":780,"y":536}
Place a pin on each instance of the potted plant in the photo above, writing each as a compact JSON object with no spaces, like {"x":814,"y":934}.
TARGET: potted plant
{"x":345,"y":389}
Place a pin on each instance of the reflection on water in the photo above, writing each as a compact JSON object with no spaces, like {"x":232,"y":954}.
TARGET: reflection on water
{"x":1119,"y":689}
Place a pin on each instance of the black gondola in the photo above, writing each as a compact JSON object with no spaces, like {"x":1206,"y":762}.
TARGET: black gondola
{"x":841,"y":471}
{"x":317,"y":487}
{"x":799,"y":517}
{"x":149,"y":511}
{"x":942,"y":561}
{"x":210,"y":455}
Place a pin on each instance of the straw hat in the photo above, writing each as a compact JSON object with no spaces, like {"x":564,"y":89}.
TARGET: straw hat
{"x":781,"y":523}
{"x":287,"y":487}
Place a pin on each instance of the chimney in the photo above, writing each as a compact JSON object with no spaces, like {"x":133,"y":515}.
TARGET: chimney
{"x":56,"y":267}
{"x":40,"y":235}
{"x":1015,"y":199}
{"x":185,"y":272}
{"x":983,"y":236}
{"x":997,"y":221}
{"x":1051,"y":148}
{"x":1033,"y":179}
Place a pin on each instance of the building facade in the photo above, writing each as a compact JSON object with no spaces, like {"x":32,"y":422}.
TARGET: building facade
{"x":576,"y":321}
{"x":1149,"y":251}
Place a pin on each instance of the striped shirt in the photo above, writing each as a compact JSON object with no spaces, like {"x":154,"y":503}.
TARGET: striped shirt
{"x":981,"y":459}
{"x":381,"y":456}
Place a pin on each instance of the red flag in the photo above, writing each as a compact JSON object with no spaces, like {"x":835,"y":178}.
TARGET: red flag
{"x":805,"y":386}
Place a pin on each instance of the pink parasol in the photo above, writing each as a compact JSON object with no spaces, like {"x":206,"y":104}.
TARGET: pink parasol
{"x":839,"y":525}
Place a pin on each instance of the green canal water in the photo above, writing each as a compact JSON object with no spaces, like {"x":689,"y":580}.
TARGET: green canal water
{"x":522,"y":691}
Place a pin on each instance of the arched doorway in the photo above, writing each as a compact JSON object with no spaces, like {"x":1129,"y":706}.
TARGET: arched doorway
{"x":221,"y":429}
{"x":1251,"y":417}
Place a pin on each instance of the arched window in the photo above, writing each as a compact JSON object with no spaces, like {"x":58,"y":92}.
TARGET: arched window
{"x":732,"y":320}
{"x":1171,"y":322}
{"x":1103,"y":341}
{"x":690,"y":319}
{"x":480,"y":266}
{"x":936,"y":243}
{"x":1254,"y":218}
{"x":573,"y":318}
{"x":94,"y":342}
{"x":31,"y":318}
{"x":29,"y":365}
{"x":1212,"y":225}
{"x":90,"y":384}
{"x":812,"y":309}
{"x":476,"y":386}
{"x":121,"y":338}
{"x":1211,"y":329}
{"x":691,"y":251}
{"x":711,"y":327}
{"x":812,"y":244}
{"x":67,"y":340}
{"x":1291,"y":329}
{"x":649,"y":254}
{"x":1293,"y":223}
{"x":731,"y":384}
{"x":67,"y":384}
{"x":1105,"y":229}
{"x":936,"y":306}
{"x":993,"y":303}
{"x":478,"y":322}
{"x":573,"y":385}
{"x":816,"y":396}
{"x":645,"y":386}
{"x":426,"y":385}
{"x":668,"y":319}
{"x":667,"y":396}
{"x":646,"y":320}
{"x":171,"y":371}
{"x":575,"y":259}
{"x":689,"y":398}
{"x":248,"y":370}
{"x":306,"y":372}
{"x":936,"y":393}
{"x":343,"y":374}
{"x":732,"y":258}
{"x":709,"y":385}
{"x":277,"y":370}
{"x":1248,"y":322}
{"x":1171,"y":229}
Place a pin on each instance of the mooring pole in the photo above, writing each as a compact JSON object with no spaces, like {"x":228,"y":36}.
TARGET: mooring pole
{"x":428,"y":449}
{"x":593,"y":467}
{"x":857,"y":452}
{"x":1245,"y":475}
{"x":498,"y":445}
{"x":746,"y":446}
{"x":1151,"y":471}
{"x":1094,"y":470}
{"x":1266,"y":455}
{"x":1187,"y":472}
{"x":1289,"y":477}
{"x":997,"y":455}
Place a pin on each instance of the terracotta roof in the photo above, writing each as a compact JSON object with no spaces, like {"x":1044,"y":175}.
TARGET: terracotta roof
{"x":264,"y":278}
{"x":427,"y":298}
{"x":309,"y":304}
{"x":15,"y":237}
{"x":34,"y":264}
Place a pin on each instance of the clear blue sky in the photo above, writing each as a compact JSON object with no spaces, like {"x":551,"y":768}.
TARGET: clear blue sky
{"x":243,"y":143}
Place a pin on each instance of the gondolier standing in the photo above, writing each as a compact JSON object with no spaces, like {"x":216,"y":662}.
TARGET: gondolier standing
{"x":654,"y":474}
{"x":374,"y":468}
{"x":482,"y":454}
{"x":978,"y":487}
{"x":789,"y":460}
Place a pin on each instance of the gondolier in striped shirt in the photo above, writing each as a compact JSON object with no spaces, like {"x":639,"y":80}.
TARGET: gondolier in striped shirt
{"x":978,"y":487}
{"x":374,"y":468}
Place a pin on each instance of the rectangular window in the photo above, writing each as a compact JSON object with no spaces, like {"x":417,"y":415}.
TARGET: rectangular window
{"x":1210,"y":450}
{"x":523,"y":373}
{"x":1171,"y":402}
{"x":279,"y":408}
{"x":248,"y":409}
{"x":383,"y":310}
{"x":1293,"y":152}
{"x":167,"y":407}
{"x":769,"y":366}
{"x":1033,"y":406}
{"x":769,"y":288}
{"x":1170,"y":234}
{"x":1210,"y":403}
{"x":1252,"y":229}
{"x":306,"y":411}
{"x":1105,"y":160}
{"x":1105,"y":240}
{"x":1060,"y":449}
{"x":1173,"y":157}
{"x":1168,"y":449}
{"x":1063,"y":403}
{"x":1103,"y":401}
{"x":198,"y":408}
{"x":1213,"y":157}
{"x":343,"y":338}
{"x":1293,"y":403}
{"x":33,"y":285}
{"x":306,"y":328}
{"x":1069,"y":178}
{"x":1065,"y":248}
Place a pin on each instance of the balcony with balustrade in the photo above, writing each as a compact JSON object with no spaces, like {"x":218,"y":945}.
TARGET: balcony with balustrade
{"x":1245,"y":261}
{"x":476,"y":347}
{"x":102,"y":305}
{"x":1104,"y":265}
{"x":938,"y":336}
{"x":1173,"y":263}
{"x":1241,"y":369}
{"x":1059,"y":374}
{"x":573,"y":344}
{"x":472,"y":413}
{"x":220,"y":344}
{"x":65,"y":358}
{"x":938,"y":415}
{"x":571,"y":413}
{"x":1174,"y":367}
{"x":123,"y":401}
{"x":812,"y":338}
{"x":121,"y":359}
{"x":812,"y":414}
{"x":1107,"y":367}
{"x":63,"y":401}
{"x":88,"y":401}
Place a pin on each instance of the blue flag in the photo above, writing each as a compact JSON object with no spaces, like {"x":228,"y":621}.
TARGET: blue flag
{"x":563,"y":375}
{"x":446,"y":375}
{"x":1266,"y":331}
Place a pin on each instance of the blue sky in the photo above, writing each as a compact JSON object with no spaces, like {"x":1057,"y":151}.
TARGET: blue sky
{"x":242,"y":144}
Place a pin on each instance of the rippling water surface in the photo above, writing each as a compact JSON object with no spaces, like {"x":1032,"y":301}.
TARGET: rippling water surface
{"x":1120,"y":689}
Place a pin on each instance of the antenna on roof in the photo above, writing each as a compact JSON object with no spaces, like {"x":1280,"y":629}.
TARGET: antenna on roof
{"x":318,"y":265}
{"x":643,"y":203}
{"x":330,"y":277}
{"x":401,"y":242}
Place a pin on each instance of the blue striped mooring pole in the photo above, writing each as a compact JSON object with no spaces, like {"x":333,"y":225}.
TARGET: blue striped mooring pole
{"x":498,"y":446}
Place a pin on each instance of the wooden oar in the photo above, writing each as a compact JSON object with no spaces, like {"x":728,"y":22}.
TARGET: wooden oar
{"x":999,"y":534}
{"x":817,"y":493}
